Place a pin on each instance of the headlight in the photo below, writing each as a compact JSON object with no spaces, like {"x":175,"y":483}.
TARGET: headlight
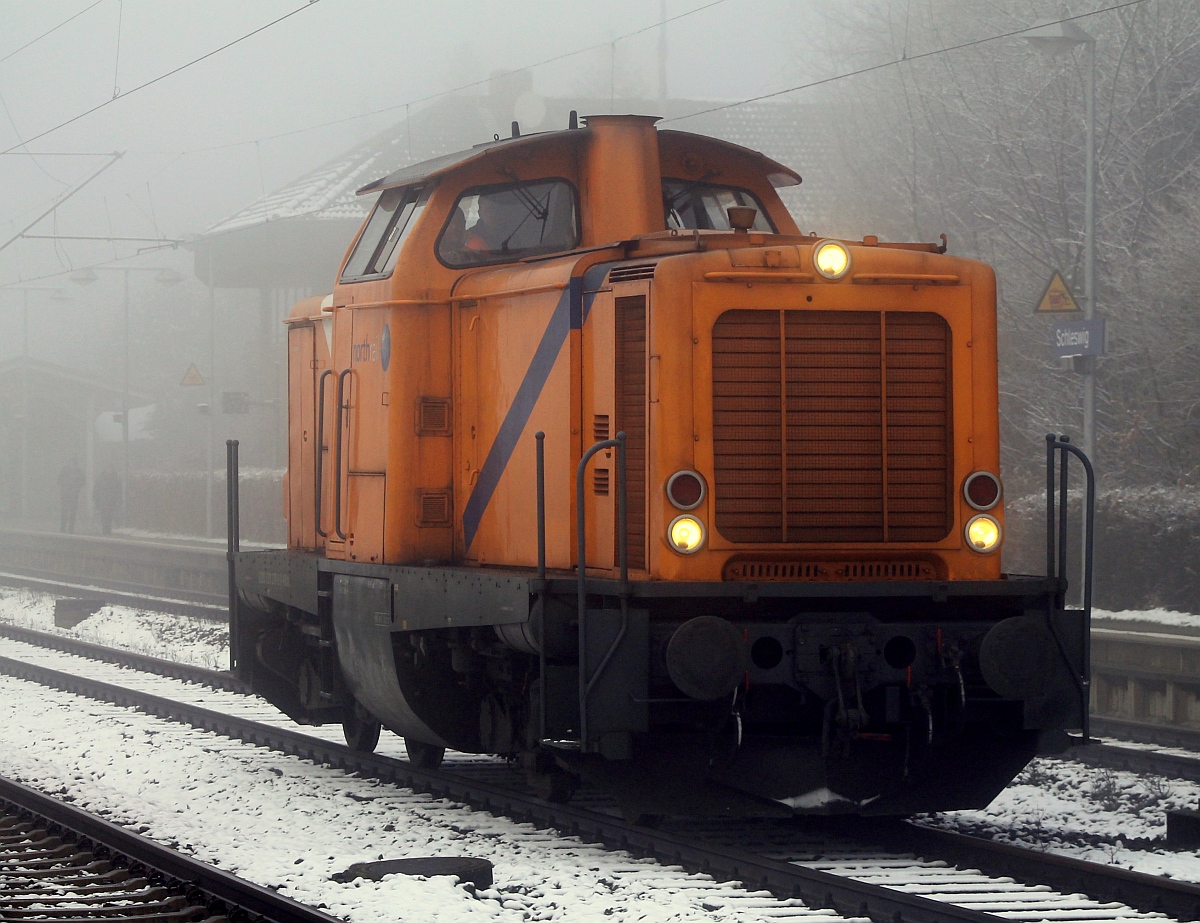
{"x":982,"y":490}
{"x":685,"y":489}
{"x":831,"y":259}
{"x":983,"y":534}
{"x":686,"y":534}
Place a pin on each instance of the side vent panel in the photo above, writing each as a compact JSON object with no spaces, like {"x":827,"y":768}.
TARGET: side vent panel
{"x":433,"y":416}
{"x":635,"y":273}
{"x":434,"y":507}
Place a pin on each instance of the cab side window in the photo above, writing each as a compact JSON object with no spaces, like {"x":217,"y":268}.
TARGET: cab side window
{"x":691,"y":205}
{"x":378,"y":247}
{"x":500,"y":224}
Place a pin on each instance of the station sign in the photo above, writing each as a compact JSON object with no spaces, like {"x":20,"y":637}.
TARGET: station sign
{"x":1078,"y":338}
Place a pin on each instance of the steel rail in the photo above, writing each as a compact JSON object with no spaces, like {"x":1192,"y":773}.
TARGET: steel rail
{"x":206,"y":606}
{"x":216,"y":679}
{"x":1148,"y":893}
{"x":816,"y":888}
{"x":220,"y":892}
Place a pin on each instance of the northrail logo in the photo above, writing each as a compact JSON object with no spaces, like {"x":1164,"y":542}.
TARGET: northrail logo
{"x":364,"y":352}
{"x":373,"y":352}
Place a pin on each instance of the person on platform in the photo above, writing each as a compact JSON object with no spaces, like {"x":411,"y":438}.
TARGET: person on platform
{"x":70,"y":483}
{"x":106,"y":497}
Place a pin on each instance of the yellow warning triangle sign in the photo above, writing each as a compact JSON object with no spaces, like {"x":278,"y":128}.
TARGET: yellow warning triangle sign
{"x":192,"y":376}
{"x":1057,"y":299}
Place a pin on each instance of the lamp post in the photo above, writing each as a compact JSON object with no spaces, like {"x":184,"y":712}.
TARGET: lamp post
{"x":164,"y":276}
{"x":1063,"y":38}
{"x":57,"y":293}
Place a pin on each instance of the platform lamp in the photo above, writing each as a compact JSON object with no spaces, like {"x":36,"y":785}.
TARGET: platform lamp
{"x":163,"y":276}
{"x":1061,"y":39}
{"x":57,"y":294}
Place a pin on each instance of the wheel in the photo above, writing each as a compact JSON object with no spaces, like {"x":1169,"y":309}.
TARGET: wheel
{"x":423,"y":755}
{"x":553,"y":785}
{"x":361,"y":730}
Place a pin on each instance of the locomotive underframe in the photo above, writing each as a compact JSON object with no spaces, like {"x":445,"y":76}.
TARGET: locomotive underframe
{"x":854,"y":696}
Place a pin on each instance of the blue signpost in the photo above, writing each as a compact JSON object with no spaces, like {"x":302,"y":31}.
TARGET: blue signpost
{"x":1078,"y":338}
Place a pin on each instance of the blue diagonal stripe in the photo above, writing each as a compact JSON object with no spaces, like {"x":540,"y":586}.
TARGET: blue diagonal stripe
{"x":570,"y":312}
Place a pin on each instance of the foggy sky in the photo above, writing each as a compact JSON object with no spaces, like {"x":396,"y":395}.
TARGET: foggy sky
{"x":333,"y":59}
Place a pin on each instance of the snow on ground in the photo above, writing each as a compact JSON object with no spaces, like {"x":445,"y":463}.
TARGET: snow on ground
{"x":199,"y":642}
{"x":1101,"y":815}
{"x":238,"y":812}
{"x":1153,"y":617}
{"x":283,"y":822}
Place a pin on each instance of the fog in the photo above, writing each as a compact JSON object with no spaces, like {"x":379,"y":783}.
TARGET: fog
{"x":907,"y":119}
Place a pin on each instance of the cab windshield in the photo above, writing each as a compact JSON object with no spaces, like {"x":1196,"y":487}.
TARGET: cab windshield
{"x":691,"y":205}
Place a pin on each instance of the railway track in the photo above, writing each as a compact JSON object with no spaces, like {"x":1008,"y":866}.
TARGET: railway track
{"x":860,"y":869}
{"x":63,"y":864}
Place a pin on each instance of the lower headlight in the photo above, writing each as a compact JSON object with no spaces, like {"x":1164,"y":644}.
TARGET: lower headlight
{"x":686,"y":534}
{"x":983,"y":534}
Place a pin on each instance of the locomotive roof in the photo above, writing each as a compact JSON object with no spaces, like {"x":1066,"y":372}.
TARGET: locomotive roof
{"x":777,"y":173}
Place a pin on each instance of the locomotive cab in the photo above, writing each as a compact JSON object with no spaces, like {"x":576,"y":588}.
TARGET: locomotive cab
{"x":596,"y":461}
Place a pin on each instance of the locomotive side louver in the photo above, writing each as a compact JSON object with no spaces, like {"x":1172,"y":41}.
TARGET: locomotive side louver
{"x":632,"y":273}
{"x":630,"y":381}
{"x":434,"y":506}
{"x":433,"y":416}
{"x":831,"y":426}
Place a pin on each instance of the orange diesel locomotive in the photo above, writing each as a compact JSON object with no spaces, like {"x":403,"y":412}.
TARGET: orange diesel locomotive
{"x":597,"y":462}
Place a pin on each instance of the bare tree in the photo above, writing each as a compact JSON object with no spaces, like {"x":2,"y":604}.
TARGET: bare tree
{"x":986,"y":142}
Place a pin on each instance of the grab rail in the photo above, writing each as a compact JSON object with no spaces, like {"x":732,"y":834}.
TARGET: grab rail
{"x":586,"y":684}
{"x":1056,"y":557}
{"x":320,"y":461}
{"x":233,"y":541}
{"x":337,"y":460}
{"x":541,"y":579}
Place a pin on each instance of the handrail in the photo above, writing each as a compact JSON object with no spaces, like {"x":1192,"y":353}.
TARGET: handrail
{"x":1056,"y":565}
{"x":320,"y":453}
{"x":541,"y":579}
{"x":586,"y":684}
{"x":233,"y":543}
{"x":337,"y":460}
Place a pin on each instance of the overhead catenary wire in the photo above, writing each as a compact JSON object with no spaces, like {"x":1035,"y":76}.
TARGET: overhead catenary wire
{"x":160,"y":77}
{"x":34,"y":41}
{"x":483,"y":81}
{"x":903,"y":59}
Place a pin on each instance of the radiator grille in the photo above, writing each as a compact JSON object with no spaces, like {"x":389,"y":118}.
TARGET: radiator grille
{"x":831,"y":426}
{"x":817,"y":571}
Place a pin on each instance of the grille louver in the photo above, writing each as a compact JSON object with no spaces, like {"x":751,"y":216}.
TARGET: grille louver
{"x":632,"y":273}
{"x":831,"y":426}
